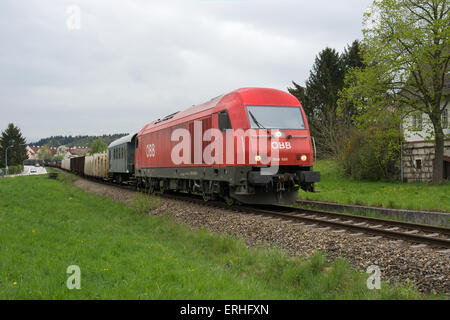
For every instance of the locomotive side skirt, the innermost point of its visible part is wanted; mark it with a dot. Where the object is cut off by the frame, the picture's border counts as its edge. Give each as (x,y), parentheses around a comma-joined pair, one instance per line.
(245,183)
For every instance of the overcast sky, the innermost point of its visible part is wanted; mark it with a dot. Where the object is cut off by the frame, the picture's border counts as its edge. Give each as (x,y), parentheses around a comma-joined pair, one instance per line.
(133,61)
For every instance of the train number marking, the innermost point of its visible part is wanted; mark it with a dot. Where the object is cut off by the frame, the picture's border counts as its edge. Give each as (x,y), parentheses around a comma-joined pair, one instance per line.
(150,150)
(281,145)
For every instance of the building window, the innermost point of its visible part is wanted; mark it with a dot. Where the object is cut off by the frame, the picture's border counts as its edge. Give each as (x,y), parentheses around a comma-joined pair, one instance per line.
(444,120)
(419,164)
(417,121)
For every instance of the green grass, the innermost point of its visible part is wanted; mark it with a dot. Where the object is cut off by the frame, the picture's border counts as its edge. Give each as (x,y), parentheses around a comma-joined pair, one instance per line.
(336,187)
(47,225)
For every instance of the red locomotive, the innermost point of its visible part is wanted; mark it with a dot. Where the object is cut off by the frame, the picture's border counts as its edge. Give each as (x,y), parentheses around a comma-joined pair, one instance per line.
(251,145)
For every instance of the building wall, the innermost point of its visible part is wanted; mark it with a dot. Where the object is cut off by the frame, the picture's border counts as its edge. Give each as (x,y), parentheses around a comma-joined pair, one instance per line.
(418,154)
(422,152)
(30,153)
(427,127)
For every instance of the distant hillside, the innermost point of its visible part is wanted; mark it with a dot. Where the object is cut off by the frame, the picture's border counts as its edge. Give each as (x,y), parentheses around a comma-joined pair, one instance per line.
(82,141)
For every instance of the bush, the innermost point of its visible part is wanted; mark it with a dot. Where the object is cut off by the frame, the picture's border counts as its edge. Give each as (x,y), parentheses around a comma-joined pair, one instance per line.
(372,154)
(13,169)
(144,203)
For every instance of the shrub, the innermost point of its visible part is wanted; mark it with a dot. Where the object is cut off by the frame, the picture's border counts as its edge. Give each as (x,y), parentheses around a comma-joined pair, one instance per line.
(143,203)
(372,153)
(13,169)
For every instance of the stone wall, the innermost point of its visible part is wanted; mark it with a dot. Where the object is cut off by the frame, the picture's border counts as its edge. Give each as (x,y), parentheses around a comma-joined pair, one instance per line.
(418,159)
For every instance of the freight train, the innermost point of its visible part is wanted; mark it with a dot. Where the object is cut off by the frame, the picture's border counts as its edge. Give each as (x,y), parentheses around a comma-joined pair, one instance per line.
(249,146)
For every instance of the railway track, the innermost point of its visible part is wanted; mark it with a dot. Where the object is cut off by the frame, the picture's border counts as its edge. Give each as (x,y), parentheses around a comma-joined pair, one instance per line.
(418,235)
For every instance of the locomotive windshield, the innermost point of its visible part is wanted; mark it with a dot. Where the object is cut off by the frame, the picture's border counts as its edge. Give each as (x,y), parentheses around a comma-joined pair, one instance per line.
(267,117)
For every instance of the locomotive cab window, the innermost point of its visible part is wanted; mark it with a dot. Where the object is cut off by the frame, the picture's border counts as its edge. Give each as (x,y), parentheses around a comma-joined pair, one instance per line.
(224,121)
(274,117)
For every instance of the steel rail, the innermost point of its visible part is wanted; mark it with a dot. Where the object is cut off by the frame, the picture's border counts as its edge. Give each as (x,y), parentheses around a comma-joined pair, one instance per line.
(402,224)
(293,214)
(322,218)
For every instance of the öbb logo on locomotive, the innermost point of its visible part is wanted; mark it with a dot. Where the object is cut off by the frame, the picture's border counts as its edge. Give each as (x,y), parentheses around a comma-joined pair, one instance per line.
(251,145)
(281,145)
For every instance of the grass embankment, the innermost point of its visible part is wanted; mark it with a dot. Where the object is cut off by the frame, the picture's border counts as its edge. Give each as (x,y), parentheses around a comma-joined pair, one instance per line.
(336,187)
(47,225)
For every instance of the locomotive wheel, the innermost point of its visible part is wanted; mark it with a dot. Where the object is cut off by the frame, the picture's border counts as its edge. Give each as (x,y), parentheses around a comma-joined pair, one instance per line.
(163,190)
(228,200)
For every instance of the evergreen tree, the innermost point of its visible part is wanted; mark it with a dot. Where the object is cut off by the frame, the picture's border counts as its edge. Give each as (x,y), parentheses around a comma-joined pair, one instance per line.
(70,141)
(319,98)
(351,60)
(18,152)
(300,93)
(329,121)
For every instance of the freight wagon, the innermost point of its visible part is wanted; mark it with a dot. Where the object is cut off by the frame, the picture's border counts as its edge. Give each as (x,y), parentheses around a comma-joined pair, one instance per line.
(77,165)
(96,165)
(65,164)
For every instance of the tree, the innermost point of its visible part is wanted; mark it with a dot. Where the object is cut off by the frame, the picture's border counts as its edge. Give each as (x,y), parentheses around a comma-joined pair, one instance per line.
(407,53)
(69,141)
(319,98)
(16,154)
(351,59)
(44,153)
(98,146)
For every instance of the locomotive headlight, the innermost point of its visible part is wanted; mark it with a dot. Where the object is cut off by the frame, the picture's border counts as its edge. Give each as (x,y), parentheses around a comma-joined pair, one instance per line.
(278,134)
(303,158)
(258,158)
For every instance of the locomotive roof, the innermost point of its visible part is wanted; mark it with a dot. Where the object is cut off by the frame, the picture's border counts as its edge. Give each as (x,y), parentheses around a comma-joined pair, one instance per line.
(244,95)
(126,139)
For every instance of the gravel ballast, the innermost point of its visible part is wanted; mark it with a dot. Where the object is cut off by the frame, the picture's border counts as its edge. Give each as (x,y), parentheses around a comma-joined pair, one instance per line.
(427,268)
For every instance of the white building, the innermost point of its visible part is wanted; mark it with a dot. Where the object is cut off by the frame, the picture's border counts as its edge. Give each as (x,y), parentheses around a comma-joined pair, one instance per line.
(418,150)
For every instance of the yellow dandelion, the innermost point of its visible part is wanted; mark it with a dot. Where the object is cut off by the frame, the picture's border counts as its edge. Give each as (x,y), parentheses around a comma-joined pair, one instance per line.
(14,283)
(70,198)
(105,269)
(32,230)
